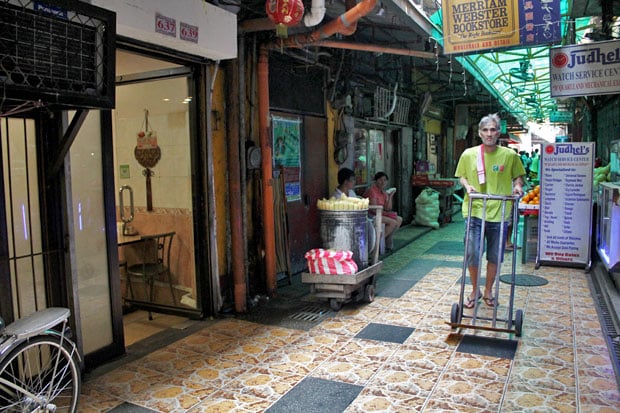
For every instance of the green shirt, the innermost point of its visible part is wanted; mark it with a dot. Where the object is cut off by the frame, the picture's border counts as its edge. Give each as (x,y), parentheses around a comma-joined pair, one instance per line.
(501,167)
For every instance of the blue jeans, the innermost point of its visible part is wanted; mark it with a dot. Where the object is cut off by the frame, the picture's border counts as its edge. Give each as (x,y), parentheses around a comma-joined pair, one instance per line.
(492,242)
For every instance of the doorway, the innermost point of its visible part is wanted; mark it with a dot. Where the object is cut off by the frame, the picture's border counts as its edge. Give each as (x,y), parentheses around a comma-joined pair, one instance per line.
(153,176)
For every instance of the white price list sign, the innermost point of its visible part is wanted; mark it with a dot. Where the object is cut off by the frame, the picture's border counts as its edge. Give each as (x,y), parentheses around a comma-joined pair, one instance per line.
(564,225)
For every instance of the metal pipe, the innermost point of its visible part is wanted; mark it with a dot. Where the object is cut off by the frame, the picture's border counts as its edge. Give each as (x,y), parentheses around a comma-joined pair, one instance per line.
(343,25)
(373,48)
(267,172)
(242,151)
(126,228)
(234,186)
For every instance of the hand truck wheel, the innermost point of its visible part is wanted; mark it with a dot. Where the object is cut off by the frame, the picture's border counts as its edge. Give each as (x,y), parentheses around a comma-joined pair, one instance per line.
(518,322)
(455,315)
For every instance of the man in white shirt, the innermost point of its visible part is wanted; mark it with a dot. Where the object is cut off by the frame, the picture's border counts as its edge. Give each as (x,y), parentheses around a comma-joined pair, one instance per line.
(346,182)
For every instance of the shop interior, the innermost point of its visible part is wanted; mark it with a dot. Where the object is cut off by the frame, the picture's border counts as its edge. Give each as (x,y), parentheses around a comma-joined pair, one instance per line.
(154,193)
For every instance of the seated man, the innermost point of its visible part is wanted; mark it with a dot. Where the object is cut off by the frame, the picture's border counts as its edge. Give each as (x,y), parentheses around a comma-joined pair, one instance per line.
(377,195)
(346,182)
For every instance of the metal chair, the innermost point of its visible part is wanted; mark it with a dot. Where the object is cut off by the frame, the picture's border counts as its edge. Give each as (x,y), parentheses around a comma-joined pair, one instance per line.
(154,264)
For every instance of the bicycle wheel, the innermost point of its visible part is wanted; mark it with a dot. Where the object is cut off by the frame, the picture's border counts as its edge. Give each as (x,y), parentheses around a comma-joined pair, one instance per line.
(42,376)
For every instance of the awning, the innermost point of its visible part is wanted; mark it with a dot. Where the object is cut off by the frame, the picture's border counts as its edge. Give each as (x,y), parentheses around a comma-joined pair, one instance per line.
(510,139)
(537,139)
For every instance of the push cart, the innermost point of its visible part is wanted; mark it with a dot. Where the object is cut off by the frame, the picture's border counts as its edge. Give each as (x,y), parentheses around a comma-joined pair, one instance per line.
(340,289)
(512,325)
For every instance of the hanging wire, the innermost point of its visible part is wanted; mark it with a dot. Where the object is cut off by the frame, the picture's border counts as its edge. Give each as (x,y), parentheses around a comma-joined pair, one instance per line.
(450,75)
(464,82)
(436,50)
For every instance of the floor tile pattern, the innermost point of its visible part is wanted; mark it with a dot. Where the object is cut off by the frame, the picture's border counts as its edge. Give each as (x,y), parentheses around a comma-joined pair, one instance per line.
(560,364)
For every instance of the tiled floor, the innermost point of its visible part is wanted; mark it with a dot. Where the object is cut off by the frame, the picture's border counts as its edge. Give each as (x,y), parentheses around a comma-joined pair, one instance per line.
(396,354)
(137,325)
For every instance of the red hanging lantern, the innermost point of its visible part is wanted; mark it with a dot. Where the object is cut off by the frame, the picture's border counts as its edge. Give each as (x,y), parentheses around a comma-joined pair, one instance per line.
(284,13)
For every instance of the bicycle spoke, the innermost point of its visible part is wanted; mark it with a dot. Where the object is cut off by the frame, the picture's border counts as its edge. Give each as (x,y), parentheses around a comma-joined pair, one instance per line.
(45,376)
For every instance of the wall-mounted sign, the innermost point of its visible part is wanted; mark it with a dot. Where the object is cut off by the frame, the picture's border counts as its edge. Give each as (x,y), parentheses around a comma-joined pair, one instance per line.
(585,69)
(561,116)
(470,25)
(188,32)
(165,25)
(53,10)
(124,172)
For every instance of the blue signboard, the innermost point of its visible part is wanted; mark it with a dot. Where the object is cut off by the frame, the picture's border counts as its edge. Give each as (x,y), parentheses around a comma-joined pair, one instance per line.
(539,22)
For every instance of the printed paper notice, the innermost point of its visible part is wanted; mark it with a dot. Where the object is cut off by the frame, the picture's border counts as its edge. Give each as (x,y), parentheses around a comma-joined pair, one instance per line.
(565,203)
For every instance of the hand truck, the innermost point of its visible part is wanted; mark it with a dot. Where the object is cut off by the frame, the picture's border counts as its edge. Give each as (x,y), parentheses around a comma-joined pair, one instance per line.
(456,315)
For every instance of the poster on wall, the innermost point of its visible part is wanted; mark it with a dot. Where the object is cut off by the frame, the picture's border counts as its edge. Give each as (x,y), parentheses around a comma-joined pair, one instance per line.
(565,218)
(286,135)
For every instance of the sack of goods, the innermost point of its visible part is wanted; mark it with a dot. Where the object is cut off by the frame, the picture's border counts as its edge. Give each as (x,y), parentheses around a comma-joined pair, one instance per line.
(427,208)
(321,261)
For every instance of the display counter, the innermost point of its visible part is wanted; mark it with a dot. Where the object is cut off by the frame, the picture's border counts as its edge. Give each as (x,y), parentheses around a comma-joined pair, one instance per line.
(608,228)
(529,245)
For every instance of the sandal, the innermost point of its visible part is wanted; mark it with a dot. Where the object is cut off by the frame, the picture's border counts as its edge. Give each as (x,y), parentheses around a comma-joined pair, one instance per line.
(490,301)
(470,302)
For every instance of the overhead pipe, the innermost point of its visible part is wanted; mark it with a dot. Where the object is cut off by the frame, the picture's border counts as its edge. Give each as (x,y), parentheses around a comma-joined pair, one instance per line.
(374,48)
(344,24)
(348,5)
(340,25)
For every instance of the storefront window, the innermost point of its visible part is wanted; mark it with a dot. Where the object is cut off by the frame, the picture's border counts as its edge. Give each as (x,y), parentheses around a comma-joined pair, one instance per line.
(369,154)
(360,162)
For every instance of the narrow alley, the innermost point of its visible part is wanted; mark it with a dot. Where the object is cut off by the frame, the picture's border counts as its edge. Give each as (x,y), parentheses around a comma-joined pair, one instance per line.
(396,354)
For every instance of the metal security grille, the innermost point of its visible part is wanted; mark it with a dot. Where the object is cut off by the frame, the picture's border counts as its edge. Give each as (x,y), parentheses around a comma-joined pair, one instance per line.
(401,113)
(387,109)
(58,52)
(24,257)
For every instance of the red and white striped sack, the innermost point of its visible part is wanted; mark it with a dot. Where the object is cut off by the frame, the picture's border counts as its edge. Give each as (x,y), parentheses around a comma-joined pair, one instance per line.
(321,261)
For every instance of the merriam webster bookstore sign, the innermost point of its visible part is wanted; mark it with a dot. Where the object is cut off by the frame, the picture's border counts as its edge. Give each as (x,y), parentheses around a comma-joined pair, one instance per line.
(473,25)
(585,69)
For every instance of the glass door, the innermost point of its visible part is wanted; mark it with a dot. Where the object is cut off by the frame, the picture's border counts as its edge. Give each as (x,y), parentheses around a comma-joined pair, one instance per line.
(153,177)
